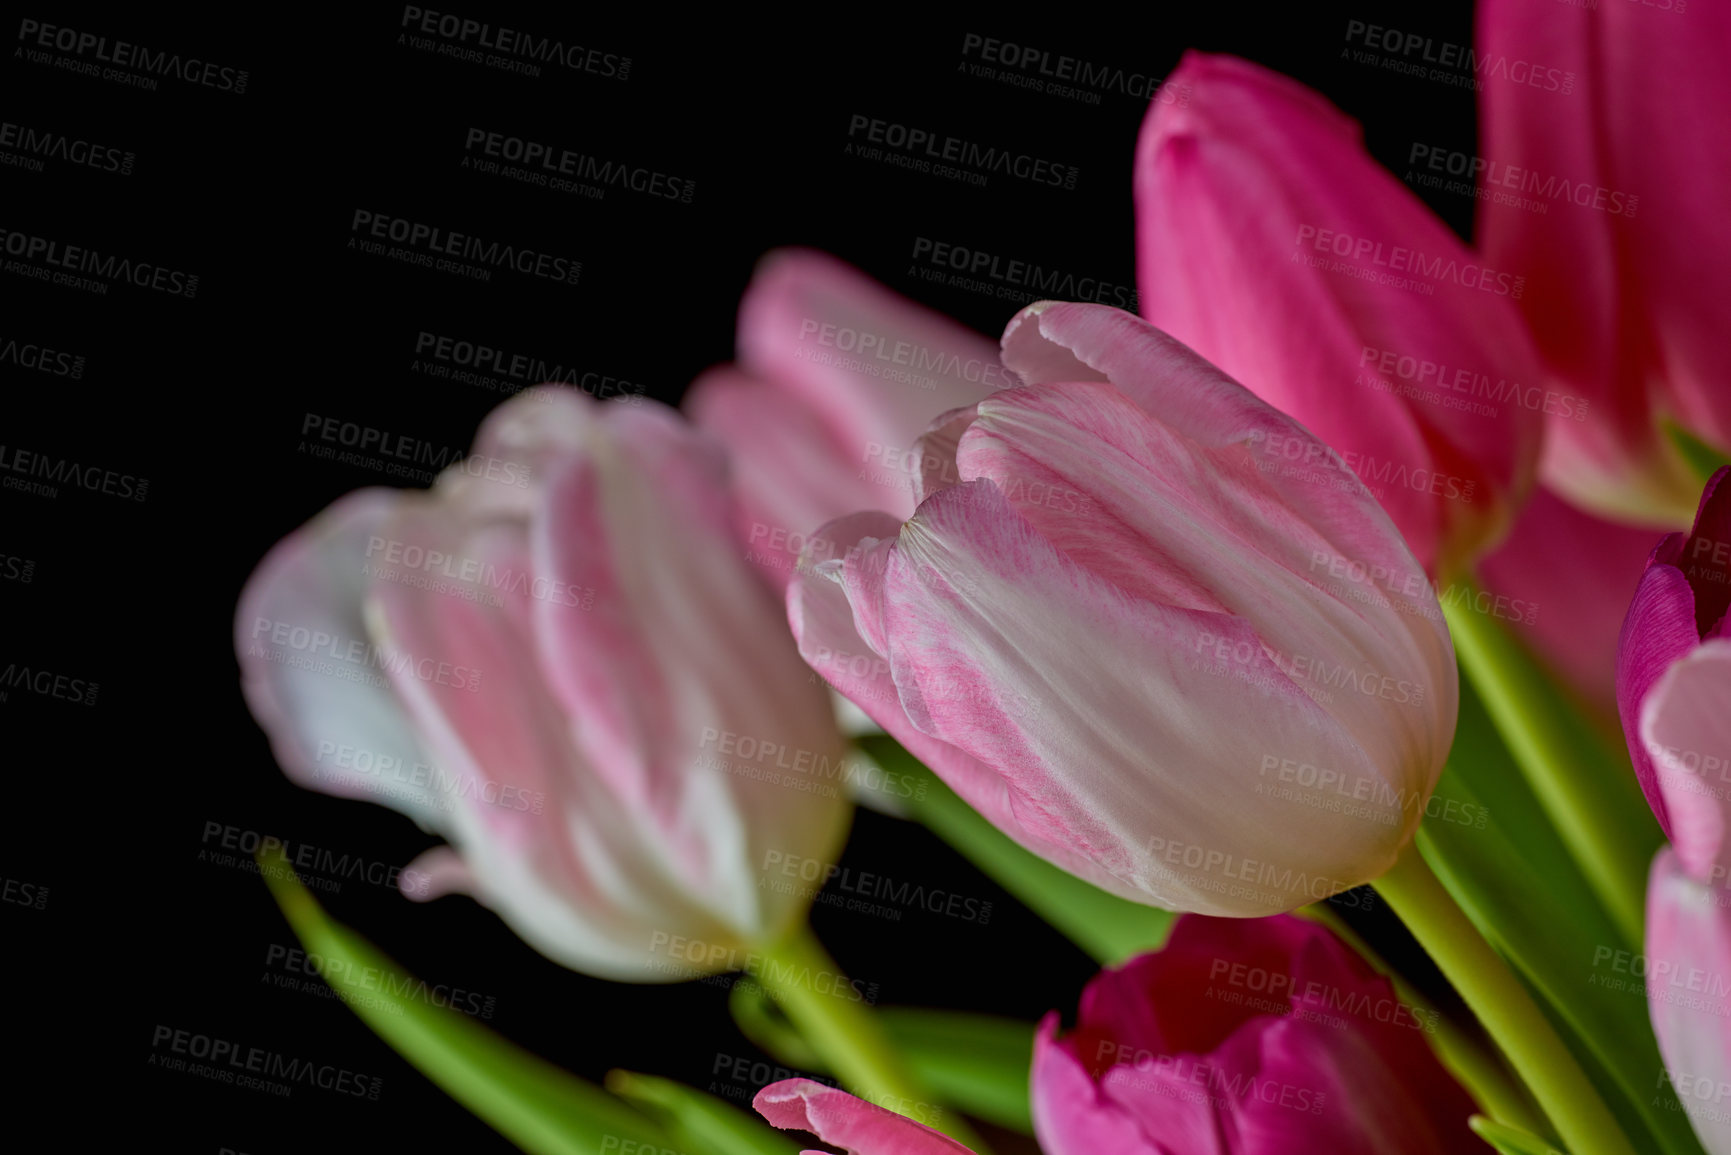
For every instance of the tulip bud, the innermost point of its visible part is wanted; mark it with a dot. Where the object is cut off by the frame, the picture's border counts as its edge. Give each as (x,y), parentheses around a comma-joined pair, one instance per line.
(1271,243)
(557,659)
(1595,187)
(1273,1025)
(837,377)
(1156,632)
(1671,663)
(841,1120)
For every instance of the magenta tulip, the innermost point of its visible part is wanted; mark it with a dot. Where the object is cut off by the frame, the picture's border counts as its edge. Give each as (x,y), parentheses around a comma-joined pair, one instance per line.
(1154,630)
(557,659)
(1628,289)
(856,1126)
(1560,581)
(837,377)
(1245,1038)
(1271,243)
(1671,651)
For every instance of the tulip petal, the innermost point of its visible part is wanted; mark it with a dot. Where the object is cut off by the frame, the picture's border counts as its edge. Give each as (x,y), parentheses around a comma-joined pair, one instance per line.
(1659,629)
(1688,958)
(1686,730)
(1074,1115)
(840,1119)
(1098,757)
(327,715)
(1271,243)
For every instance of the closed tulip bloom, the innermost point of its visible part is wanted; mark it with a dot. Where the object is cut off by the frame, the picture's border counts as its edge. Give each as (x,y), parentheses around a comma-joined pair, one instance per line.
(1154,630)
(556,659)
(837,377)
(1628,289)
(1245,1038)
(1670,656)
(854,1125)
(1270,241)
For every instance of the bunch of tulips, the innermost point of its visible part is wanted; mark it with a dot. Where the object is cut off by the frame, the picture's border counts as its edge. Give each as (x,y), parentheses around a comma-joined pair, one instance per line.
(1340,566)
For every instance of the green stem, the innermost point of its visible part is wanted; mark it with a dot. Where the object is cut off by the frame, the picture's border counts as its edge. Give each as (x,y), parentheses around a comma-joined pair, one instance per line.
(1464,1053)
(1503,1005)
(840,1026)
(1590,799)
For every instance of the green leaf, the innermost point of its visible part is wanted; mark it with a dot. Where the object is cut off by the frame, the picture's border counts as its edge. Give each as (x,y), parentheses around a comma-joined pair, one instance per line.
(1702,459)
(1493,847)
(1511,1140)
(1110,929)
(698,1120)
(978,1064)
(539,1107)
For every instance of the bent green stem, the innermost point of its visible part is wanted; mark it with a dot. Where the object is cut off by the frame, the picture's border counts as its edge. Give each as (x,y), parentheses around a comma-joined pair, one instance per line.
(832,1013)
(1502,1004)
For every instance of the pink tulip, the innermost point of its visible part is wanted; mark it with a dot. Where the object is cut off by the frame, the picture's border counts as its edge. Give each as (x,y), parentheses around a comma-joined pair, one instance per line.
(556,659)
(1670,658)
(1154,630)
(1561,582)
(837,1118)
(1245,1038)
(1628,289)
(1271,243)
(1688,963)
(837,377)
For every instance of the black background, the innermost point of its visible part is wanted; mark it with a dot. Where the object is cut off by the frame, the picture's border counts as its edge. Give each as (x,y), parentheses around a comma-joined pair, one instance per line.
(205,397)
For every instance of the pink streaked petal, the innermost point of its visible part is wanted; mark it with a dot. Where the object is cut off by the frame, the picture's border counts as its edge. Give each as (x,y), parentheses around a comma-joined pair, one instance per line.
(790,473)
(437,872)
(1686,730)
(936,450)
(876,366)
(845,1121)
(1658,630)
(1101,755)
(1688,952)
(321,718)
